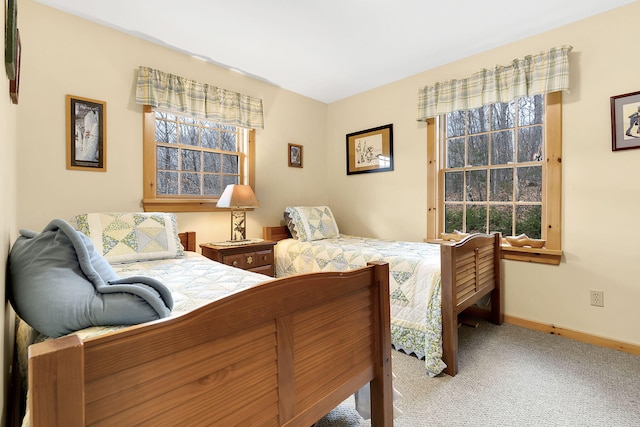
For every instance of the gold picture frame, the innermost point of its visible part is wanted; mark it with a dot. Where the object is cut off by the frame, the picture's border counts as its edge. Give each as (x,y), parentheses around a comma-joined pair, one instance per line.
(86,134)
(295,155)
(370,150)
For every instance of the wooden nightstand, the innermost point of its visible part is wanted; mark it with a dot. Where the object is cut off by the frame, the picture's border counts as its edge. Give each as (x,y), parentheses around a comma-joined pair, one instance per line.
(257,257)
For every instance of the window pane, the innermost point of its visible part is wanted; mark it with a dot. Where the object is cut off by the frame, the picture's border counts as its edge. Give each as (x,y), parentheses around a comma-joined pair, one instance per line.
(476,186)
(188,120)
(212,162)
(501,185)
(189,135)
(529,184)
(209,138)
(479,120)
(167,158)
(502,148)
(501,219)
(452,217)
(165,132)
(528,220)
(502,115)
(191,160)
(476,219)
(456,124)
(230,164)
(190,183)
(165,116)
(530,110)
(530,145)
(229,141)
(229,179)
(167,183)
(207,123)
(212,185)
(455,153)
(453,186)
(478,150)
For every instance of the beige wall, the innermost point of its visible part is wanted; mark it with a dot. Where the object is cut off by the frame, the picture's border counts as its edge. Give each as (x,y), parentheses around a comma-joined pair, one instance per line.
(68,55)
(600,187)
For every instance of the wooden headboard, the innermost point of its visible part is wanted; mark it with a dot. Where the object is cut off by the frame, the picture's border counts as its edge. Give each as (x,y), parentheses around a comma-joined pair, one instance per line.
(188,240)
(276,234)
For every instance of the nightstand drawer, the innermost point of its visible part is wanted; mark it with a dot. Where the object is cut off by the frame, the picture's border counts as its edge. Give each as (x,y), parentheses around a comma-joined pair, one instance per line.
(243,261)
(264,258)
(256,257)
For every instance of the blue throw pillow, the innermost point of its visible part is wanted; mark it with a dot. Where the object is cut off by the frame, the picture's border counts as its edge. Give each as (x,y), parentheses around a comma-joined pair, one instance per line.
(59,283)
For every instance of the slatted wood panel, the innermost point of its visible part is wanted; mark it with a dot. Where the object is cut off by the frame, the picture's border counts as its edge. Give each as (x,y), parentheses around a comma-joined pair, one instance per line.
(470,269)
(192,380)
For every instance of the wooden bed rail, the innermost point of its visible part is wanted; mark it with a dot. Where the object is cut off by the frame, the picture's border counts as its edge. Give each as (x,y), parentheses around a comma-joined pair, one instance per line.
(285,353)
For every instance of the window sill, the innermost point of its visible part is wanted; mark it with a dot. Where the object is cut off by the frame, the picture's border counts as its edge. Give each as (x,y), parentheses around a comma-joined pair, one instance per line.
(512,253)
(174,205)
(541,256)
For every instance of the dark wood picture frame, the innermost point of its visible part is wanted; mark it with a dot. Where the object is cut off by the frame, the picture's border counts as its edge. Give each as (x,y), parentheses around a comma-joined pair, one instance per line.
(625,121)
(370,150)
(294,154)
(10,42)
(86,134)
(14,84)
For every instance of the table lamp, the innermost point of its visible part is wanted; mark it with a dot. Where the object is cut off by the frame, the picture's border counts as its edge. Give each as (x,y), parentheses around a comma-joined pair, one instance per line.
(238,198)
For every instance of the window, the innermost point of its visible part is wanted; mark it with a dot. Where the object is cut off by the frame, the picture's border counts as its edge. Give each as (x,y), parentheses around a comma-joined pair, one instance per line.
(188,162)
(497,168)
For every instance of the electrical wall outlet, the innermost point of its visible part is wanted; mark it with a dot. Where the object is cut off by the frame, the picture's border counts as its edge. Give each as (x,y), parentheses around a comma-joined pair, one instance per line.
(597,298)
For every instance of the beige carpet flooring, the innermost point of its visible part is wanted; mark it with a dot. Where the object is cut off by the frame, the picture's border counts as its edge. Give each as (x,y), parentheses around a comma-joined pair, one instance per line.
(510,376)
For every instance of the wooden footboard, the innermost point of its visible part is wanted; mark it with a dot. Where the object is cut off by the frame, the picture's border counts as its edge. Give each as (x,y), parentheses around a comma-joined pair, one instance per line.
(470,271)
(285,352)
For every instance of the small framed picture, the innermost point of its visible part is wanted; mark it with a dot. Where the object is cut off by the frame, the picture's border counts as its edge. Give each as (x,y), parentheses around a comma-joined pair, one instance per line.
(86,134)
(625,121)
(295,155)
(370,150)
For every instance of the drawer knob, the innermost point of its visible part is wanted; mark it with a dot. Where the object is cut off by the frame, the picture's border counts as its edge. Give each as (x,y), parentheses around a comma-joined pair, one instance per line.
(264,257)
(249,260)
(235,263)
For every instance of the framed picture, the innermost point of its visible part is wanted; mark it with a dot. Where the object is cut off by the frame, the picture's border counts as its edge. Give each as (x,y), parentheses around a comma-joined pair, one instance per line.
(14,84)
(10,35)
(625,121)
(370,150)
(295,155)
(86,134)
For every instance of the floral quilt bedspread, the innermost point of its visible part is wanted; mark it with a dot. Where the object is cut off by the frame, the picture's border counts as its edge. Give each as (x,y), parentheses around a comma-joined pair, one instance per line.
(414,270)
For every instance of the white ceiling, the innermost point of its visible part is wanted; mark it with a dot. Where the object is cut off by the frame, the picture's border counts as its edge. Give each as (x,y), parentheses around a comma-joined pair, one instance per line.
(331,49)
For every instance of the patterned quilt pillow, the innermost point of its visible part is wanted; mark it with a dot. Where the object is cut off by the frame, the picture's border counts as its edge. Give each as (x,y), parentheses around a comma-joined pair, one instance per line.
(309,223)
(134,236)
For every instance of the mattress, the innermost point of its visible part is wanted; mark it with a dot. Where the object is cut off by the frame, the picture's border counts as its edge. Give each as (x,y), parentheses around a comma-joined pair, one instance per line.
(416,316)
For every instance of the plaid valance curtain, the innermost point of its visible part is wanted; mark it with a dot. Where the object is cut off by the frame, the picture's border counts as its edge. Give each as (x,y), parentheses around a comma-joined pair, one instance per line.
(534,74)
(163,90)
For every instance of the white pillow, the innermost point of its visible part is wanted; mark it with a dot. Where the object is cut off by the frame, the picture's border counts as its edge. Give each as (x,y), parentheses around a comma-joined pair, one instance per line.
(133,236)
(309,223)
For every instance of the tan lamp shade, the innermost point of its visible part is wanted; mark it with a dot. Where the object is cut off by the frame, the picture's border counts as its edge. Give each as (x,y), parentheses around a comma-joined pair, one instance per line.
(238,196)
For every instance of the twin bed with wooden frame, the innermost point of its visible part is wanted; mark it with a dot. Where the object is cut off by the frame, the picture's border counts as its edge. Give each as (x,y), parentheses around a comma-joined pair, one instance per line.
(278,353)
(470,270)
